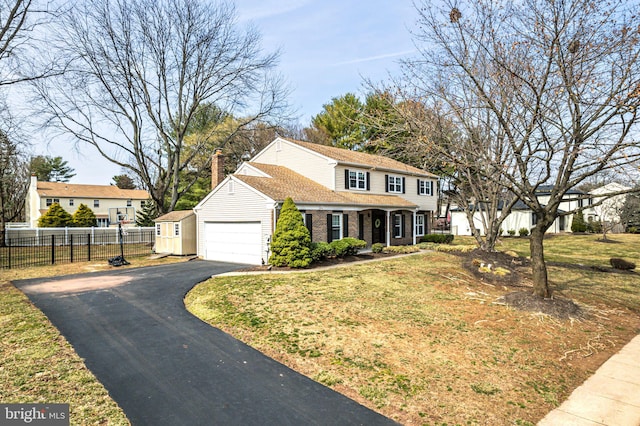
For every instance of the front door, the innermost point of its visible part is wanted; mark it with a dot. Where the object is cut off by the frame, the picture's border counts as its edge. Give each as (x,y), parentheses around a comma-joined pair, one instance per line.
(378,234)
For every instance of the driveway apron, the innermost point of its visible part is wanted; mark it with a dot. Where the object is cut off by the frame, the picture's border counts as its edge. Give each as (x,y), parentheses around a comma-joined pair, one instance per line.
(164,366)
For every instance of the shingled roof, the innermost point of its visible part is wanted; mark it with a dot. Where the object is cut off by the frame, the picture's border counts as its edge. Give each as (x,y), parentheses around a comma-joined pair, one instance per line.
(284,183)
(174,216)
(70,190)
(362,159)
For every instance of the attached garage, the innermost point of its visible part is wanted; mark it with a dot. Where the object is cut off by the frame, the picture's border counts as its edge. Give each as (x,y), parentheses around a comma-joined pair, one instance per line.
(237,242)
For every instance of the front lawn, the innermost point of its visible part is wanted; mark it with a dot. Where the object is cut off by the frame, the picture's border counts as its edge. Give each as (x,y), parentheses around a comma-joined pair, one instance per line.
(423,342)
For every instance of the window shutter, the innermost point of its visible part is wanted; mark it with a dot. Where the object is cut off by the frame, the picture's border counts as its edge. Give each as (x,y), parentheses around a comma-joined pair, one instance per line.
(346,179)
(386,183)
(368,179)
(308,220)
(329,224)
(345,225)
(413,226)
(403,184)
(402,222)
(431,187)
(418,186)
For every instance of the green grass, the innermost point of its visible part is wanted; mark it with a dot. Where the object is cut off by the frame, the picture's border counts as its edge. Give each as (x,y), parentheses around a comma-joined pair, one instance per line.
(420,340)
(38,364)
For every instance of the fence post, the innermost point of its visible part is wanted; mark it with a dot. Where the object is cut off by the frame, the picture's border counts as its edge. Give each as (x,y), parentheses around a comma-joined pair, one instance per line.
(71,247)
(53,249)
(9,245)
(89,247)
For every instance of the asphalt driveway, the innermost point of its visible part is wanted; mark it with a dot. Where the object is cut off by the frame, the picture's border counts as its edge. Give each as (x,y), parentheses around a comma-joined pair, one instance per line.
(166,367)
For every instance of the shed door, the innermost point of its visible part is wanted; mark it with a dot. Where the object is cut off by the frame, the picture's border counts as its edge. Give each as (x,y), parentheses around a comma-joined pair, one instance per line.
(237,242)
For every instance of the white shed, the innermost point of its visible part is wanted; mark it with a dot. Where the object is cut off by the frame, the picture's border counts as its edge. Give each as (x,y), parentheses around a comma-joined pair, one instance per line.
(176,233)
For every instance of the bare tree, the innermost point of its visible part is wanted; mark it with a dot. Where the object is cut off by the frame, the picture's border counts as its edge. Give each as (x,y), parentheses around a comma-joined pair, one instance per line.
(558,80)
(140,69)
(14,182)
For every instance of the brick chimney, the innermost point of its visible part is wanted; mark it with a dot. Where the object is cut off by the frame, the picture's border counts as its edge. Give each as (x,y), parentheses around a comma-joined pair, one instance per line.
(217,168)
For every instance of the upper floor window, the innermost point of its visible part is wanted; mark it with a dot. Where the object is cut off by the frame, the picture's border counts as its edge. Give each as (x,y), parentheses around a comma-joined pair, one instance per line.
(580,202)
(425,187)
(49,202)
(128,203)
(356,179)
(142,203)
(96,203)
(71,201)
(395,184)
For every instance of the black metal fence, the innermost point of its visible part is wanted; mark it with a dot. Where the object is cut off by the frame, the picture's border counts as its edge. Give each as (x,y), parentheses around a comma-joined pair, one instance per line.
(52,249)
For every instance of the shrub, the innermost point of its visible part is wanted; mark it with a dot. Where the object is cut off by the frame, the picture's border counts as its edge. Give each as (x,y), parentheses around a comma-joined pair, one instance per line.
(437,238)
(621,264)
(377,248)
(55,217)
(291,245)
(84,217)
(347,246)
(632,230)
(594,226)
(523,232)
(401,249)
(320,251)
(578,224)
(511,232)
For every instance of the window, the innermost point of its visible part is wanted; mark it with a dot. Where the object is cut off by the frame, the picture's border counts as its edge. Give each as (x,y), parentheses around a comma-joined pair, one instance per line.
(357,180)
(96,203)
(398,226)
(534,219)
(580,202)
(176,229)
(157,229)
(103,223)
(336,227)
(395,184)
(71,201)
(128,203)
(49,202)
(56,200)
(142,203)
(425,187)
(419,225)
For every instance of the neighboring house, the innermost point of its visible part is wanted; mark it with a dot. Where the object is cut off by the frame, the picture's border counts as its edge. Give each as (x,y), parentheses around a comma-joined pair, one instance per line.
(109,203)
(522,216)
(176,233)
(609,210)
(340,193)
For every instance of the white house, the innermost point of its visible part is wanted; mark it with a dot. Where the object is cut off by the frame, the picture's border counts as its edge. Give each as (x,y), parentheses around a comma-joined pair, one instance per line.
(109,203)
(339,192)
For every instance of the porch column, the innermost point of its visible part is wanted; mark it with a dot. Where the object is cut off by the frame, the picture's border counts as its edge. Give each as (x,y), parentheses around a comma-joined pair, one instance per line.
(413,230)
(388,230)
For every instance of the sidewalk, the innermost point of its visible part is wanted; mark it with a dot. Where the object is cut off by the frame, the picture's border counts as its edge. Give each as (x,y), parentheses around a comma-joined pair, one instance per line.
(610,397)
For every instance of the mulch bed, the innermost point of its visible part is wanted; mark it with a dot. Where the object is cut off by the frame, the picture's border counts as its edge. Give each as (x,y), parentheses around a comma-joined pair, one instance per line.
(321,264)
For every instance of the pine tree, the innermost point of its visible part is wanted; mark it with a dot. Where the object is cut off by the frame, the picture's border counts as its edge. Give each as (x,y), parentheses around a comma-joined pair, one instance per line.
(578,224)
(55,217)
(291,245)
(147,214)
(84,217)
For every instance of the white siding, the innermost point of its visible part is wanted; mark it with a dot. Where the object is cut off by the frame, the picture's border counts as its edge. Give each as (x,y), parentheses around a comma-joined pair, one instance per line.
(241,205)
(301,160)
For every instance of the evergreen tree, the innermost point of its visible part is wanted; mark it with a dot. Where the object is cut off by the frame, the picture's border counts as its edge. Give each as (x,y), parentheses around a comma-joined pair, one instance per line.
(84,217)
(124,181)
(291,245)
(55,217)
(578,224)
(147,214)
(51,169)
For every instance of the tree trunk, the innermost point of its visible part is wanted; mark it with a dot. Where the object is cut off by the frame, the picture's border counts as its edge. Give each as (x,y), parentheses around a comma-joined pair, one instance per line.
(538,265)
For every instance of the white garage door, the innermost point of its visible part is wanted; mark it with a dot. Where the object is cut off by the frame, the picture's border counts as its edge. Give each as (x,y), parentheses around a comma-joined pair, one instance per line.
(238,242)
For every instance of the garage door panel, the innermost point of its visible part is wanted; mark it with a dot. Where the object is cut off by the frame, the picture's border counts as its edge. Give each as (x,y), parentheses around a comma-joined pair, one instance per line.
(239,242)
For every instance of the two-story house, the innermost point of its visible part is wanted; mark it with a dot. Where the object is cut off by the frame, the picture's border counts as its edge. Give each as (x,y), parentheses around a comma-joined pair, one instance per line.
(109,203)
(340,193)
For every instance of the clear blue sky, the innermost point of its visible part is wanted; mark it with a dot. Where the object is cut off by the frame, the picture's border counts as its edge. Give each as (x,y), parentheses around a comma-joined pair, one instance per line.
(327,48)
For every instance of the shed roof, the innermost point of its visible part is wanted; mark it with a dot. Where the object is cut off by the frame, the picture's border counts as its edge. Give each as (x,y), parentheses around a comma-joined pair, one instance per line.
(174,216)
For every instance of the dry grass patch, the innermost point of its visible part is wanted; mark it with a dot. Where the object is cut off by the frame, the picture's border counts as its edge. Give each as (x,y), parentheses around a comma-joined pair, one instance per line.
(416,338)
(38,364)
